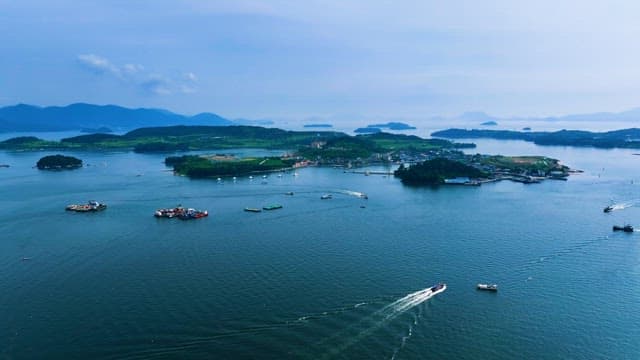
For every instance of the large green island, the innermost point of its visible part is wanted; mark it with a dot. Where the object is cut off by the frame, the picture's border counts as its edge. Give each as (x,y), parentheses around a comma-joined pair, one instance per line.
(305,148)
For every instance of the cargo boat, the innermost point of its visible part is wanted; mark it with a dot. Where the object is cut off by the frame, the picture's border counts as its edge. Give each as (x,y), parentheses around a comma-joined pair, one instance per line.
(91,206)
(272,207)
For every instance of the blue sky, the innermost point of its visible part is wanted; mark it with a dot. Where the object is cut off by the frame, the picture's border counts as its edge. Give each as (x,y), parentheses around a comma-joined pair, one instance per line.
(325,59)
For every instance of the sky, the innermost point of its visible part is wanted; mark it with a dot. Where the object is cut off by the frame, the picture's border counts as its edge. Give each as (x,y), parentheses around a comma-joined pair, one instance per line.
(330,59)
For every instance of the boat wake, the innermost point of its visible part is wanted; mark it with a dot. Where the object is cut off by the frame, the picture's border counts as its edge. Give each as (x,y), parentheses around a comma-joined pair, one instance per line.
(365,327)
(353,193)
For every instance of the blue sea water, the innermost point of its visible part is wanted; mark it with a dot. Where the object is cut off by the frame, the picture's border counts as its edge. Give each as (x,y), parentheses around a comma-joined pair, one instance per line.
(318,278)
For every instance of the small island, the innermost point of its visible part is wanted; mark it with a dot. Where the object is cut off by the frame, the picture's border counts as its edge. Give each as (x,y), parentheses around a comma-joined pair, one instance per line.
(318,126)
(393,126)
(59,162)
(367,130)
(489,123)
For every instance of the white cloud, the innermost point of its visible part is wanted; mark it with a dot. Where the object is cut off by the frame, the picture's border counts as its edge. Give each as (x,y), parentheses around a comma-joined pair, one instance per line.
(137,75)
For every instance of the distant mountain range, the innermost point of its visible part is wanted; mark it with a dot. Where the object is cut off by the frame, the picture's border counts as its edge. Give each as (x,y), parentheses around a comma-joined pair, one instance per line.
(480,117)
(29,118)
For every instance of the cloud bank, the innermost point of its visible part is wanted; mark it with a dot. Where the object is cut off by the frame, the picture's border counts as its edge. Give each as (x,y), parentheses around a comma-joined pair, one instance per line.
(138,76)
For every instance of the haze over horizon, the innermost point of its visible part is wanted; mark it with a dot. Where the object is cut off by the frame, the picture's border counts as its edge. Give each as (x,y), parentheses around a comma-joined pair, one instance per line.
(279,59)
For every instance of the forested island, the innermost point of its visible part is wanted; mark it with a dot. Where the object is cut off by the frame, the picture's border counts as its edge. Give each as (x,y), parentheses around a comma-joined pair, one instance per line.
(626,138)
(436,172)
(220,165)
(58,162)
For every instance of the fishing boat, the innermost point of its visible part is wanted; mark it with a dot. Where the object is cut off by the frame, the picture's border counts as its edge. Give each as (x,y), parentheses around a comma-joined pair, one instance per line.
(191,213)
(487,287)
(169,212)
(626,228)
(91,206)
(272,207)
(250,209)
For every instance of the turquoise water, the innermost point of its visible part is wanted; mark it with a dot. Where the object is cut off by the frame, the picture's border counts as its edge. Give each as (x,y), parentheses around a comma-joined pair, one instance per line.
(318,278)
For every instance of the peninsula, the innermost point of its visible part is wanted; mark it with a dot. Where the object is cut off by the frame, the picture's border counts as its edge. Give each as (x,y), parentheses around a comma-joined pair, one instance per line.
(625,138)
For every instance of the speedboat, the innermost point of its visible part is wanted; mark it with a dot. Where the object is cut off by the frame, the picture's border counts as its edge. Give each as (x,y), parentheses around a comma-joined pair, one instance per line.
(488,287)
(608,209)
(437,289)
(326,196)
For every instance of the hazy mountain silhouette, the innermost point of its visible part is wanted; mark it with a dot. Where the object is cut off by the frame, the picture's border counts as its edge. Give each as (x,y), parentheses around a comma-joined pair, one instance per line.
(28,118)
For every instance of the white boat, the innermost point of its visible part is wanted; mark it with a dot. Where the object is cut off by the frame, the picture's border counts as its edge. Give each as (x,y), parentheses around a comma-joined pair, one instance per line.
(326,196)
(488,287)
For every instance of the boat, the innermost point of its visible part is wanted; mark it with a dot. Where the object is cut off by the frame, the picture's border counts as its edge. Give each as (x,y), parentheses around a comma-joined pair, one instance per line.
(249,209)
(608,209)
(625,228)
(272,207)
(289,193)
(169,212)
(487,287)
(326,196)
(91,206)
(193,214)
(436,289)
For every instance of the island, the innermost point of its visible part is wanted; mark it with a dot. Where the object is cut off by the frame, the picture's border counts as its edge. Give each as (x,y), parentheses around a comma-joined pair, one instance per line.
(625,138)
(462,169)
(223,165)
(393,126)
(436,172)
(59,162)
(367,130)
(489,123)
(318,126)
(102,130)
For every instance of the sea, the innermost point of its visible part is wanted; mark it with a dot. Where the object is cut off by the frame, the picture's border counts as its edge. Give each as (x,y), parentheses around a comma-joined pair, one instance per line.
(341,278)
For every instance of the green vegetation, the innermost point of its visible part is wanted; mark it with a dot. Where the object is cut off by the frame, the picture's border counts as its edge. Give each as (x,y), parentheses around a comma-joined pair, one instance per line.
(520,164)
(626,138)
(58,162)
(393,142)
(434,172)
(28,143)
(202,167)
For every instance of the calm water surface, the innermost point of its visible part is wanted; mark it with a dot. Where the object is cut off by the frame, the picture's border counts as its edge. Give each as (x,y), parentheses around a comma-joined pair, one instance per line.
(318,278)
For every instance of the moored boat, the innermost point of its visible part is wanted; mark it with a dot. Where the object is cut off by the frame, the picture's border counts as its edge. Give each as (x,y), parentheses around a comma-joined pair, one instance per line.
(91,206)
(487,287)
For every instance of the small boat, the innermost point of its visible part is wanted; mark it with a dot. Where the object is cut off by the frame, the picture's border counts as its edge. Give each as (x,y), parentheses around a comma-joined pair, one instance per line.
(436,289)
(626,228)
(272,207)
(487,287)
(290,193)
(608,209)
(249,209)
(91,206)
(326,196)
